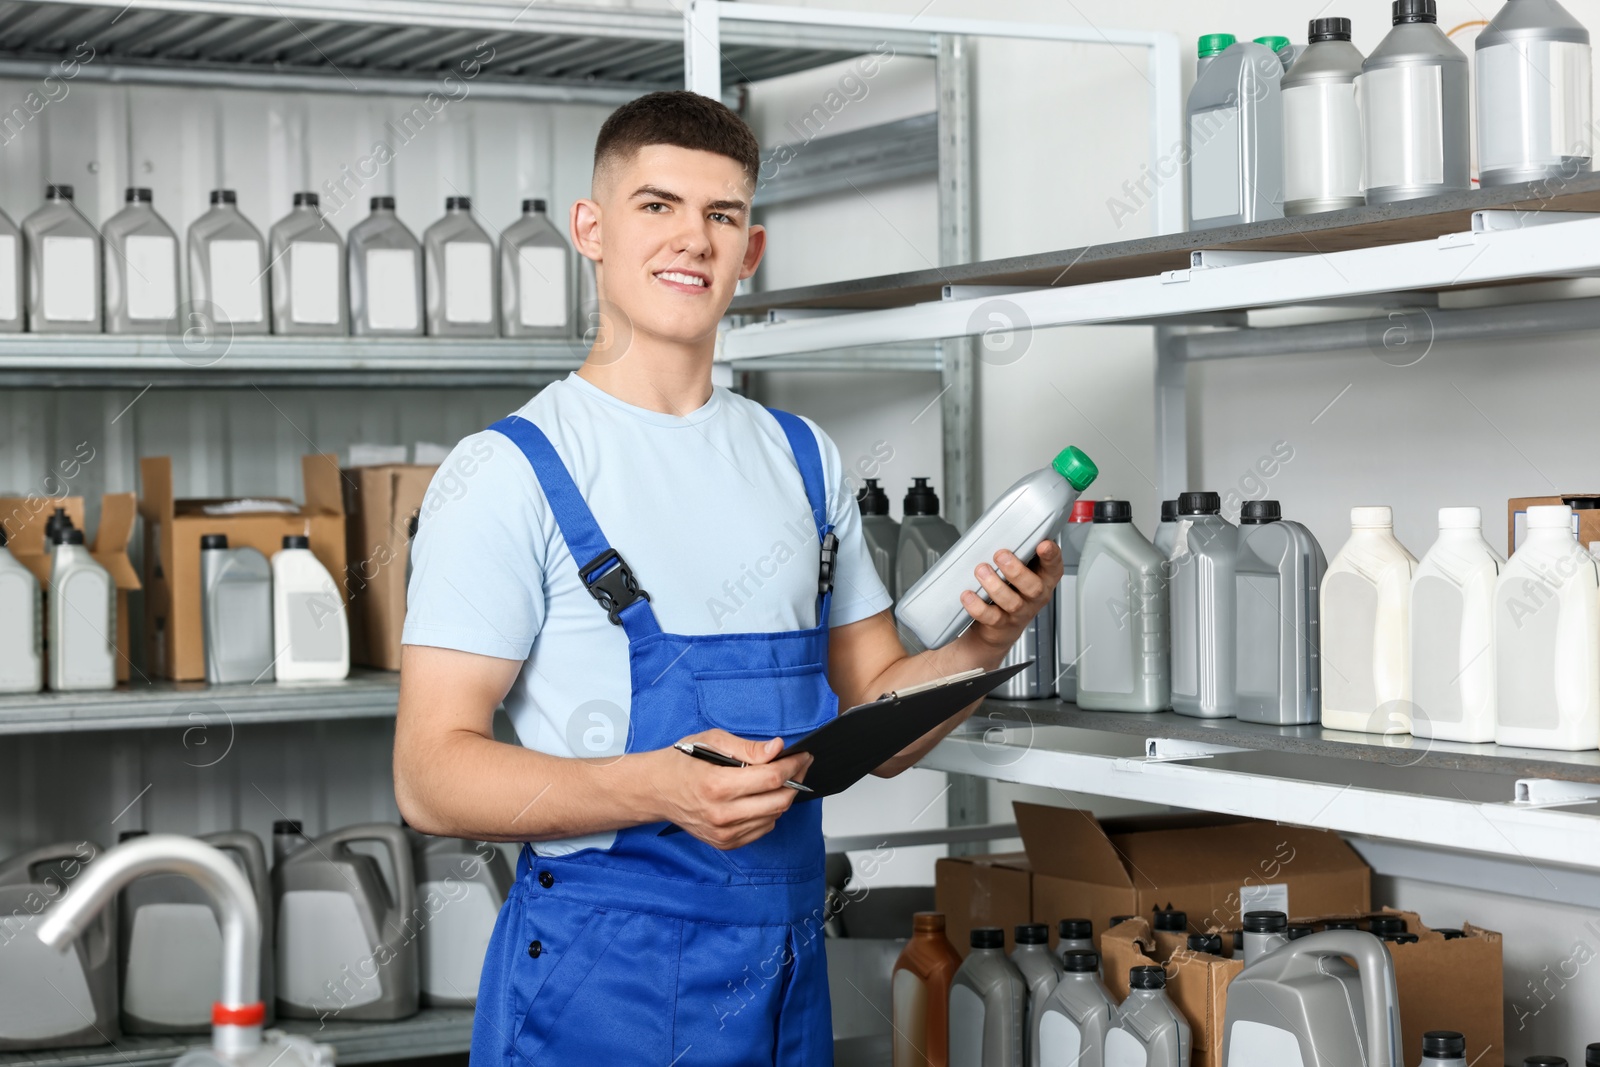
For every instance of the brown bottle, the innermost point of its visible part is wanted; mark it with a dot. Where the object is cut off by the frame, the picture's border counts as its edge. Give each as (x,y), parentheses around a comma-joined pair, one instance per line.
(921,994)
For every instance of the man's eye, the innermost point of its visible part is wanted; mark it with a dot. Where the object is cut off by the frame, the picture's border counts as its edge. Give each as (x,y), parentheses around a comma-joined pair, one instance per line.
(718,216)
(653,207)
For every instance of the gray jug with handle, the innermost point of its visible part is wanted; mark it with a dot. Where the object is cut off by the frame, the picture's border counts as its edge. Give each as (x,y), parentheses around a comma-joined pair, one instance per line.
(346,945)
(460,888)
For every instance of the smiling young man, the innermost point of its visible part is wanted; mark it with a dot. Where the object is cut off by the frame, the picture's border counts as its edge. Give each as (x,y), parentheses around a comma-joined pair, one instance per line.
(571,562)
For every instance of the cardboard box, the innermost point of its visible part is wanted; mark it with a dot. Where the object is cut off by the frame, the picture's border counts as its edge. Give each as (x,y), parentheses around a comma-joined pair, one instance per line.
(974,891)
(1451,985)
(378,504)
(1585,517)
(1197,983)
(24,519)
(173,528)
(1212,867)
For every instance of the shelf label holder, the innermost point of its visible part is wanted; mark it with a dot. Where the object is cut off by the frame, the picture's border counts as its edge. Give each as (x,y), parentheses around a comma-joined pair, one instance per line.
(1176,749)
(1554,793)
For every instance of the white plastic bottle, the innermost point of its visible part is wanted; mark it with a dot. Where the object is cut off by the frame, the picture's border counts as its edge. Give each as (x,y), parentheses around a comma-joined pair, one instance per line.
(228,267)
(1028,512)
(1547,639)
(1452,639)
(310,631)
(1366,654)
(21,639)
(83,619)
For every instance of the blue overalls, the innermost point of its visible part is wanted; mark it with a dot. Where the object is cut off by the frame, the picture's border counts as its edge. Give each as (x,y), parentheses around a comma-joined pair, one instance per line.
(664,950)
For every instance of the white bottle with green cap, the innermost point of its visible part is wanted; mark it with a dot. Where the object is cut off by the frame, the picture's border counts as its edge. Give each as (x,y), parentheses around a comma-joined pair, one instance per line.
(1030,511)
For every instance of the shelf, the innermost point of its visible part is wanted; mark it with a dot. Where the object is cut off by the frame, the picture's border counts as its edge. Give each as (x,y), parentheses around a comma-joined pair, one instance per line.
(431,1032)
(365,694)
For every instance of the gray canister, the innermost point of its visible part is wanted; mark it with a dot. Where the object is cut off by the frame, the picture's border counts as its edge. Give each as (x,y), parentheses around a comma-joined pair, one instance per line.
(1533,83)
(1040,971)
(924,536)
(1235,131)
(13,302)
(385,275)
(1073,537)
(1414,109)
(171,942)
(460,887)
(1149,1031)
(1279,574)
(346,947)
(307,274)
(988,1005)
(235,612)
(141,290)
(535,277)
(54,999)
(1075,935)
(228,269)
(1264,932)
(1322,123)
(1037,648)
(64,264)
(1167,529)
(459,264)
(1071,1029)
(1123,616)
(881,532)
(1202,588)
(1448,1048)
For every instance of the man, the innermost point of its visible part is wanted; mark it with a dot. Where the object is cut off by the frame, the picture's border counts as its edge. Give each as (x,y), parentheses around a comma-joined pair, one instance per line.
(632,560)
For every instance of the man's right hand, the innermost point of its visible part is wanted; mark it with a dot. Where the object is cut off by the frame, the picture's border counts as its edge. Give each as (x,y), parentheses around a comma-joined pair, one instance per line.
(726,807)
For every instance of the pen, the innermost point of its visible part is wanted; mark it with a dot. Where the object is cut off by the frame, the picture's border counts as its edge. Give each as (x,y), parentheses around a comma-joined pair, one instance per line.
(711,755)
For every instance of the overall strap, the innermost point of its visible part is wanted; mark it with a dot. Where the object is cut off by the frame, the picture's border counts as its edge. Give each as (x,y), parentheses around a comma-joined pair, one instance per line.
(808,457)
(604,573)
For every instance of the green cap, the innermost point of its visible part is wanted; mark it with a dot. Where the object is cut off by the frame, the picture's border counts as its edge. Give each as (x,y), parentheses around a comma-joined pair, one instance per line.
(1277,44)
(1078,469)
(1213,44)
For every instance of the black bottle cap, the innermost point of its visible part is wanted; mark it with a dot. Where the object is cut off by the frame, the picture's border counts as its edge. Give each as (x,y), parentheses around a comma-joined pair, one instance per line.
(1581,503)
(58,192)
(1400,939)
(1147,978)
(71,536)
(1169,511)
(3,537)
(534,204)
(136,195)
(1265,922)
(1171,922)
(1451,935)
(1075,929)
(920,498)
(411,525)
(213,541)
(296,541)
(1199,504)
(1259,512)
(53,526)
(1415,11)
(988,937)
(1543,1061)
(129,835)
(1081,962)
(306,200)
(1298,931)
(287,826)
(1033,934)
(1591,1055)
(1387,924)
(1341,924)
(1113,511)
(1237,937)
(224,196)
(381,203)
(1211,943)
(871,499)
(1328,29)
(458,203)
(1443,1043)
(1115,919)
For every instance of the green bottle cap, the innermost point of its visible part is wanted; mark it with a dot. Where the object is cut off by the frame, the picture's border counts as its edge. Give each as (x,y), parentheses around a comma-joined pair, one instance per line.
(1213,44)
(1078,469)
(1277,44)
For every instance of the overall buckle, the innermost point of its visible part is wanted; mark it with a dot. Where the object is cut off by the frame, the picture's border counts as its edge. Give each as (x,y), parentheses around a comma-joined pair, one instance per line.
(830,556)
(616,588)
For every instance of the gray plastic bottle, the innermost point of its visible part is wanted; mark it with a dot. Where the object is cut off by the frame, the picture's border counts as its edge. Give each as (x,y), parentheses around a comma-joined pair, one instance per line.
(13,277)
(881,532)
(1040,970)
(1444,1048)
(83,618)
(346,946)
(308,283)
(1037,648)
(385,275)
(1303,1000)
(1414,109)
(1167,529)
(458,271)
(924,536)
(1070,1030)
(1074,935)
(1149,1031)
(1322,123)
(536,277)
(1279,574)
(460,888)
(235,612)
(64,267)
(21,625)
(1235,131)
(1264,931)
(170,942)
(1073,536)
(988,1006)
(141,251)
(1532,77)
(1123,617)
(1204,616)
(228,268)
(54,999)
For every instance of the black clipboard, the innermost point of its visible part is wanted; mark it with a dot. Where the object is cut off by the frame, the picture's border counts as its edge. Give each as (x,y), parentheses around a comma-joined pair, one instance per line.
(852,745)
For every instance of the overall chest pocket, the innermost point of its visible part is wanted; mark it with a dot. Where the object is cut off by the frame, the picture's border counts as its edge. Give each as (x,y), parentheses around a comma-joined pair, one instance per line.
(763,702)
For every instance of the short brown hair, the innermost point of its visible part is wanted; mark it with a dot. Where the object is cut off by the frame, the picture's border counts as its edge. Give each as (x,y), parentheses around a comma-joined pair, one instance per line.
(683,119)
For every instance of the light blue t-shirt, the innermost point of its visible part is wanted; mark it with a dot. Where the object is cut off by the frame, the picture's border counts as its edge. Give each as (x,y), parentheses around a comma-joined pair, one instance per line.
(708,509)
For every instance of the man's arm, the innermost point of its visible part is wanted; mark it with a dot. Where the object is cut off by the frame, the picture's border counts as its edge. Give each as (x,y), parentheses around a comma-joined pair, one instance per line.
(866,659)
(451,776)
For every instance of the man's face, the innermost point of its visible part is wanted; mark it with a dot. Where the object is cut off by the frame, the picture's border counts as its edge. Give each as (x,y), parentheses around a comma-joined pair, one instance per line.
(670,232)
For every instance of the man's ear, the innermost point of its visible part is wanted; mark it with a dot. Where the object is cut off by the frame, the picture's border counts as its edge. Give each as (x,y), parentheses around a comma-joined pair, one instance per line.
(753,250)
(585,228)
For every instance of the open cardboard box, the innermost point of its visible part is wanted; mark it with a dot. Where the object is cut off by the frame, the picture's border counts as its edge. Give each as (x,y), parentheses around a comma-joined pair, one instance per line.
(1197,983)
(24,519)
(378,503)
(173,528)
(982,890)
